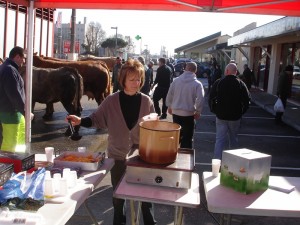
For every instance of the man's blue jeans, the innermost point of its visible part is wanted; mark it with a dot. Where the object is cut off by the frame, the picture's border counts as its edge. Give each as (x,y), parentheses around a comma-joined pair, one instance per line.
(226,128)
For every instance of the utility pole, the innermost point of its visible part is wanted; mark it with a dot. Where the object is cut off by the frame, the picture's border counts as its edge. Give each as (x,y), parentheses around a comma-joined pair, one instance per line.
(73,23)
(116,39)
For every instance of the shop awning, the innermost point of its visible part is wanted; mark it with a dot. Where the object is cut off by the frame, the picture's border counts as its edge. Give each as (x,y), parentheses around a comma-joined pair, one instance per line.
(264,7)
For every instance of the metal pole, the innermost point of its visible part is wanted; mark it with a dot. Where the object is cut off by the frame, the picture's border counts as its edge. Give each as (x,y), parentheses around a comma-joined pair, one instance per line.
(73,24)
(116,45)
(28,81)
(116,39)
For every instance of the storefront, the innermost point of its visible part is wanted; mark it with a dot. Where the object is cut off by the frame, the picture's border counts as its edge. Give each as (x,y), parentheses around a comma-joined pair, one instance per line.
(271,47)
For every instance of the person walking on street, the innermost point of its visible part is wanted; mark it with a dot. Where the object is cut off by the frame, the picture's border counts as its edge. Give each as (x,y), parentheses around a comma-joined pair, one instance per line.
(163,80)
(169,64)
(217,74)
(146,87)
(207,71)
(185,102)
(247,75)
(120,113)
(115,75)
(12,102)
(232,102)
(284,89)
(150,67)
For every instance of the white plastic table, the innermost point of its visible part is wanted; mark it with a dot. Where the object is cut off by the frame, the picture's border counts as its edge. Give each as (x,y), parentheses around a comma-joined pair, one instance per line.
(224,200)
(162,195)
(59,210)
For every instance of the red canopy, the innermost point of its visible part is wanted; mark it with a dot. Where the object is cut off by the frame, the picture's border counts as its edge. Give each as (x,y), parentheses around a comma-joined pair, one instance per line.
(265,7)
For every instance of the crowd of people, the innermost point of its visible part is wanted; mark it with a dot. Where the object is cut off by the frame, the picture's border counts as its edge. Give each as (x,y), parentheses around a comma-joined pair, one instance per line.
(121,112)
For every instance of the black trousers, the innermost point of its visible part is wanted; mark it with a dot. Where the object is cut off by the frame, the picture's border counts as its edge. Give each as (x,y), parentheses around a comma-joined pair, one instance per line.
(160,93)
(187,124)
(278,116)
(117,173)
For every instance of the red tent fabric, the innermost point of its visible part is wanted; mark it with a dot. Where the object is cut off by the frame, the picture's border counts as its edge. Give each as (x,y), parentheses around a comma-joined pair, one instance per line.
(264,7)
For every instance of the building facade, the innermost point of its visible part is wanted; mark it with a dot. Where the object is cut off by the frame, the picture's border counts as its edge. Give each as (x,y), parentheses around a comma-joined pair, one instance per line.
(62,38)
(266,49)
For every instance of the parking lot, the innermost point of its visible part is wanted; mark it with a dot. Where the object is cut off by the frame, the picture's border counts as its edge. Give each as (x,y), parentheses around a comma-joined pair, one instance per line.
(258,132)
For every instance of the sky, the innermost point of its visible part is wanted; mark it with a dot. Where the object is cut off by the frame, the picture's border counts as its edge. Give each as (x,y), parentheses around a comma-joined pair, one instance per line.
(164,28)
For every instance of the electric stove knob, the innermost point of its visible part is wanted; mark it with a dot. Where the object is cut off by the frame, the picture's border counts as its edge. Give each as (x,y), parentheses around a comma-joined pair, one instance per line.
(158,179)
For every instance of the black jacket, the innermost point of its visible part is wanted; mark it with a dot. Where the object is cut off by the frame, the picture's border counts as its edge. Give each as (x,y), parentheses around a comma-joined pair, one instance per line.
(163,77)
(232,98)
(12,94)
(284,87)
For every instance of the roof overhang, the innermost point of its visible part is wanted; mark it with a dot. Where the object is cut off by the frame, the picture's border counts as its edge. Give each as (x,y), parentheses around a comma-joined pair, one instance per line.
(283,26)
(198,42)
(264,7)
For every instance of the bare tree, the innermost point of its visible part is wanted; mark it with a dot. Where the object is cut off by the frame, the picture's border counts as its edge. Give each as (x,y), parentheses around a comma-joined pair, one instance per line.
(94,37)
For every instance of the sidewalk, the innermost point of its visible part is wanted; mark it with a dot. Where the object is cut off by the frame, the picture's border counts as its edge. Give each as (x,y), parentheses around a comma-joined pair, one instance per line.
(266,101)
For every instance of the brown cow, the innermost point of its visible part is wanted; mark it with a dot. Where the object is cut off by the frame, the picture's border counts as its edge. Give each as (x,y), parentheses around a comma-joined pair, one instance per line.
(50,85)
(110,61)
(1,61)
(96,77)
(65,60)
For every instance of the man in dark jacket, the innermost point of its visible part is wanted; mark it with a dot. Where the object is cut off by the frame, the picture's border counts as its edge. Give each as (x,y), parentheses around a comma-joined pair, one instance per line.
(163,80)
(248,76)
(12,102)
(232,102)
(284,88)
(146,87)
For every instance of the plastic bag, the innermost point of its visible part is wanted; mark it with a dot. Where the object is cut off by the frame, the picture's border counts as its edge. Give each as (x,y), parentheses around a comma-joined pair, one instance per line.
(23,191)
(13,188)
(278,107)
(35,190)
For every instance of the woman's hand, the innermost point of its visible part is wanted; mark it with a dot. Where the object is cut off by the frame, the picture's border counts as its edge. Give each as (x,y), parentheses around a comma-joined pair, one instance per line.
(196,116)
(75,120)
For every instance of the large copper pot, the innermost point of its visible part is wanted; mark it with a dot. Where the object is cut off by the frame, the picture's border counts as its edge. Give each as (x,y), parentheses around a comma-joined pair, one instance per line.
(159,141)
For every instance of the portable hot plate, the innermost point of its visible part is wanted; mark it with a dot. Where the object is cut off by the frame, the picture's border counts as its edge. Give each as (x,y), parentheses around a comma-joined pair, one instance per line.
(177,174)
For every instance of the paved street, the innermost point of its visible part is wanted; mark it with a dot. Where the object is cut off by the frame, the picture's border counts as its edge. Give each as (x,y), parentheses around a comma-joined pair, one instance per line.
(258,132)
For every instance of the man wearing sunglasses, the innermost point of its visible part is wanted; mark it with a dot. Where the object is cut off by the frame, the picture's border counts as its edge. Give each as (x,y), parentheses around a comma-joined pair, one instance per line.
(12,102)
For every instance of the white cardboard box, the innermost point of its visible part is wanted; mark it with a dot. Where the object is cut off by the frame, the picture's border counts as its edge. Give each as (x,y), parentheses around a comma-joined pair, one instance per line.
(245,171)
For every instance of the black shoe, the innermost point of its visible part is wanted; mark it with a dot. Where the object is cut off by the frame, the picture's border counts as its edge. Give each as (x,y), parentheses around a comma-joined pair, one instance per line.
(163,117)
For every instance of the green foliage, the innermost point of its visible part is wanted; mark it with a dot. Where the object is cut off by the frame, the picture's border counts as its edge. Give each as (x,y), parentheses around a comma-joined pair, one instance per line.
(111,43)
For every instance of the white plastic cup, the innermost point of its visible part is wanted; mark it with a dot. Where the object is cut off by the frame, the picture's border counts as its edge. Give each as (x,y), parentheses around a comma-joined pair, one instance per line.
(81,149)
(56,181)
(216,164)
(49,153)
(66,172)
(49,187)
(63,187)
(72,179)
(48,174)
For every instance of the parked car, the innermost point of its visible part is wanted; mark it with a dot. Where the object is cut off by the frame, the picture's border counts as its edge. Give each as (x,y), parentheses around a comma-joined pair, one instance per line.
(180,65)
(179,68)
(201,67)
(181,61)
(155,61)
(296,73)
